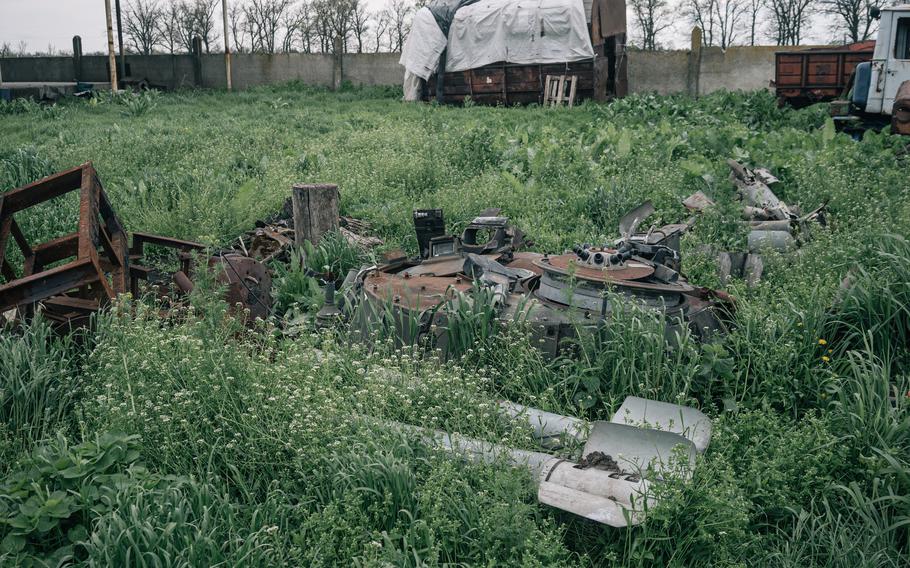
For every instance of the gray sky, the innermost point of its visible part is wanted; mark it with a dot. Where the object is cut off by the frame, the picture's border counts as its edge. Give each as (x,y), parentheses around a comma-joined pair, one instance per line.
(53,22)
(43,23)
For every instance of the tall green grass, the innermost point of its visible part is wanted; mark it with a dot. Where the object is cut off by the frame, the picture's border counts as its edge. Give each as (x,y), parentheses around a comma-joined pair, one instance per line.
(252,449)
(39,385)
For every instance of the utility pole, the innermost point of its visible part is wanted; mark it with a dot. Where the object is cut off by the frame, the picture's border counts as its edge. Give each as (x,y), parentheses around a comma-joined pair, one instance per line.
(112,60)
(122,73)
(227,45)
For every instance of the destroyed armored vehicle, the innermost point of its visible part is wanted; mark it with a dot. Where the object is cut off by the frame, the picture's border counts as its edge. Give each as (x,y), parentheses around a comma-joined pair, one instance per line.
(555,294)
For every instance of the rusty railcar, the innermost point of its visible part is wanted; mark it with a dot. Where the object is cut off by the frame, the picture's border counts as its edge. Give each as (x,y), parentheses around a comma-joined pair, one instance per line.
(802,78)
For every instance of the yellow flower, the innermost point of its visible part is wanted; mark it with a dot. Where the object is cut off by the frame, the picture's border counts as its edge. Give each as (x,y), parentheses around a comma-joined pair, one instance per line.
(825,358)
(822,342)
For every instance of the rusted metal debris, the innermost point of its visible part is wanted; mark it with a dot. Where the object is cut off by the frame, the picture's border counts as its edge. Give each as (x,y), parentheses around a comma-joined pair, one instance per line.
(772,223)
(556,294)
(73,276)
(273,239)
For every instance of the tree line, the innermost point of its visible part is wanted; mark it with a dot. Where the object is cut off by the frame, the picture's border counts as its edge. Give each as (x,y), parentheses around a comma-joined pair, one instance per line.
(266,26)
(313,26)
(725,23)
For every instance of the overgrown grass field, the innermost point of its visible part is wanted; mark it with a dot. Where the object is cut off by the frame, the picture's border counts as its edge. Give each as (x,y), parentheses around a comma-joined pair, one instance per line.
(196,442)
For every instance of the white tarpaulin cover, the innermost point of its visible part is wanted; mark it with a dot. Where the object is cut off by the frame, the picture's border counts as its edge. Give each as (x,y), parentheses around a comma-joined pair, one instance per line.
(514,31)
(425,42)
(523,31)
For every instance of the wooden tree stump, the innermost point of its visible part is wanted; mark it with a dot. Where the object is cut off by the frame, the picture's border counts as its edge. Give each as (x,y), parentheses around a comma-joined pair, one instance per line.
(315,211)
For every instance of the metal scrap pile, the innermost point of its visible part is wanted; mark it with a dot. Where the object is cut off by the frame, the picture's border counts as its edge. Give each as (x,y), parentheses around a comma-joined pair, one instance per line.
(646,442)
(74,275)
(558,295)
(274,238)
(772,223)
(69,278)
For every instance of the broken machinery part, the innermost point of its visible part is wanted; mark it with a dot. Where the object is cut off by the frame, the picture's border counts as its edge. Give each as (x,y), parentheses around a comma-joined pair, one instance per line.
(74,275)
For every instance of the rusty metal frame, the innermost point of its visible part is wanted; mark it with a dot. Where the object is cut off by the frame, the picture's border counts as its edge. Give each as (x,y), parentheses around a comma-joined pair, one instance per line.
(74,275)
(73,272)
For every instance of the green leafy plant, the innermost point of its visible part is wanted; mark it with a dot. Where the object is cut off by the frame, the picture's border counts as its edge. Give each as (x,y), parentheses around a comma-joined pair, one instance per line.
(37,385)
(47,507)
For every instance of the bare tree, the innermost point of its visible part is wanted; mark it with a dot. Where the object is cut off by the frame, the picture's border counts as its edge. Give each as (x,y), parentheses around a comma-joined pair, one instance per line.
(195,18)
(754,9)
(186,25)
(206,17)
(701,13)
(169,25)
(398,14)
(360,23)
(334,19)
(265,18)
(788,19)
(321,26)
(852,17)
(239,27)
(141,25)
(308,28)
(292,23)
(380,29)
(651,17)
(720,20)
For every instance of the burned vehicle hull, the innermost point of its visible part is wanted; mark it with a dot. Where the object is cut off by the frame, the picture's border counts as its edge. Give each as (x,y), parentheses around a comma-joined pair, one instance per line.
(556,296)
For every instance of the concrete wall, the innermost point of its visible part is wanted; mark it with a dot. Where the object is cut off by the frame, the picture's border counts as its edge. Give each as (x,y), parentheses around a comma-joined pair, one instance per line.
(664,72)
(737,68)
(29,69)
(373,68)
(258,69)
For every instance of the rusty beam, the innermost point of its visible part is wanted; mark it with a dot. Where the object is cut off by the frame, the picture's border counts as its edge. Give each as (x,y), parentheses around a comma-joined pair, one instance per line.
(119,242)
(113,259)
(102,279)
(141,239)
(88,214)
(68,302)
(57,249)
(6,226)
(7,271)
(28,267)
(20,238)
(42,190)
(138,273)
(107,210)
(49,283)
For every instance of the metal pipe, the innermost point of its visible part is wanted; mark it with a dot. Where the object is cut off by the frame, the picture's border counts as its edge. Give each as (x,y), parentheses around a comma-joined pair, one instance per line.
(770,225)
(551,430)
(776,240)
(609,497)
